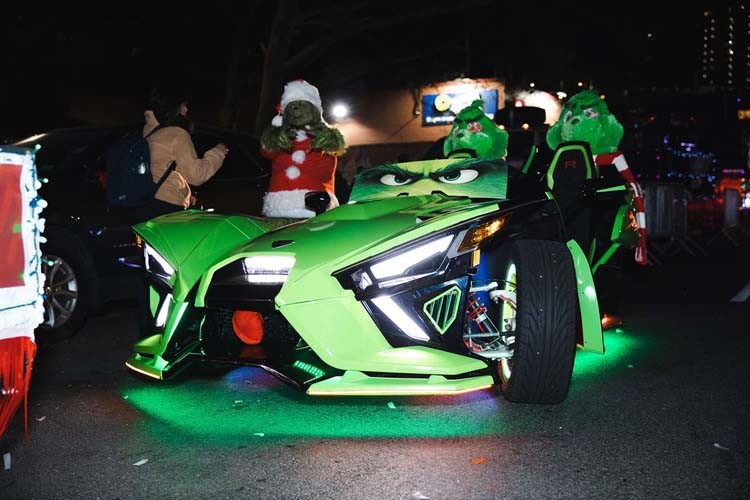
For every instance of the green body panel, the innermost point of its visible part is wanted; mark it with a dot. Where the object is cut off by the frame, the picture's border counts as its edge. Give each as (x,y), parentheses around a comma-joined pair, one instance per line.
(593,338)
(355,242)
(344,336)
(193,240)
(355,383)
(605,257)
(312,301)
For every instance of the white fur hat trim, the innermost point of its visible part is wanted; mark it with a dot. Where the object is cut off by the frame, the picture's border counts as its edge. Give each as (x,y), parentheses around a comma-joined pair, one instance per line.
(300,90)
(277,121)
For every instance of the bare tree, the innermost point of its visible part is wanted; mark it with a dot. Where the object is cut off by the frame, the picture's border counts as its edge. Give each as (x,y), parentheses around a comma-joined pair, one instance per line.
(343,22)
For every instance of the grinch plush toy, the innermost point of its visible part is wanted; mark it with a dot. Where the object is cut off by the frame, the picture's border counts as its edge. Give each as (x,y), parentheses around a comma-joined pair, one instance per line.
(586,117)
(473,130)
(304,152)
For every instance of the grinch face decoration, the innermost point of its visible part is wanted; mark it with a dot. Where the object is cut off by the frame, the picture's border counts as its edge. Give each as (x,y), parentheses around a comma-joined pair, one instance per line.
(473,130)
(586,117)
(473,177)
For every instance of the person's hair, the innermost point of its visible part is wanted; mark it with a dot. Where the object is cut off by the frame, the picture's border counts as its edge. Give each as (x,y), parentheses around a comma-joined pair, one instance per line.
(165,103)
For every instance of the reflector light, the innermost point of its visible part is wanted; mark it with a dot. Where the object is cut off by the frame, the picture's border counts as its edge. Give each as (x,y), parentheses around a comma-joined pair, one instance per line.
(475,236)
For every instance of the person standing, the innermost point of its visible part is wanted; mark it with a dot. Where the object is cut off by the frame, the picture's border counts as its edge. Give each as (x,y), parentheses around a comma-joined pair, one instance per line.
(169,137)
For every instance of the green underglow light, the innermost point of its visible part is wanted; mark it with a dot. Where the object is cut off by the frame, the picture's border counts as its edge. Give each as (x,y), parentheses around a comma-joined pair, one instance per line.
(248,401)
(623,347)
(308,368)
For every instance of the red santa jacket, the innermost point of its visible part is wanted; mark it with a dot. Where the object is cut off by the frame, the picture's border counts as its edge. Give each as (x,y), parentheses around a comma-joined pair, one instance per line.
(301,168)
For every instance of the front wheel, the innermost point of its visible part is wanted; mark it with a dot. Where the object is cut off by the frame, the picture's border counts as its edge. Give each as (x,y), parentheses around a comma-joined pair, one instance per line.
(538,323)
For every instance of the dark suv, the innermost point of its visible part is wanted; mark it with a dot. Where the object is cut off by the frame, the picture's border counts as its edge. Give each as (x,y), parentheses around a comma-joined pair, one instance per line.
(88,242)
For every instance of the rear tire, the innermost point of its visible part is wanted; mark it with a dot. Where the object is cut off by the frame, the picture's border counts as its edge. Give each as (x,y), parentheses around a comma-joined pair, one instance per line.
(541,366)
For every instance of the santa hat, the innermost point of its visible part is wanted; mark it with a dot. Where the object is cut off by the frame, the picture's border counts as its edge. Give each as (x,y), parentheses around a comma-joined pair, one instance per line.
(297,90)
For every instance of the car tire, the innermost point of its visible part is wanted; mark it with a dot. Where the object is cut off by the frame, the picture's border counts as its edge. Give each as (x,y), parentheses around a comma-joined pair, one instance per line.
(70,286)
(544,319)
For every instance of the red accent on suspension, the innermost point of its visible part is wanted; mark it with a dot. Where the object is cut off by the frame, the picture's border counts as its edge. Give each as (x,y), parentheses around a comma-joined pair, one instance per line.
(477,312)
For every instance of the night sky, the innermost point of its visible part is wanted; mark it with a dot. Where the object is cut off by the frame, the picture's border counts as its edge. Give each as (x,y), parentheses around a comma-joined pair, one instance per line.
(53,52)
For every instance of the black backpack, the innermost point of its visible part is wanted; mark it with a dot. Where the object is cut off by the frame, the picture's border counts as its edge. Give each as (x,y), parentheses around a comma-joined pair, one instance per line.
(129,180)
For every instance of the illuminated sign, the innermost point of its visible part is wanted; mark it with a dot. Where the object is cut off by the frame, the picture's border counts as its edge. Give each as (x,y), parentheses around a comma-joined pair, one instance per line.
(441,109)
(743,114)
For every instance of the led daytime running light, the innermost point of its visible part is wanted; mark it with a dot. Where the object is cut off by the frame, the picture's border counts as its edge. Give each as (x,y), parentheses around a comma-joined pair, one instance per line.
(398,264)
(398,316)
(267,268)
(150,252)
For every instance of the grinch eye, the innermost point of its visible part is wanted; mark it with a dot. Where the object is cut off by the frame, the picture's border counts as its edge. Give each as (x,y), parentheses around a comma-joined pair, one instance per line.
(590,113)
(459,176)
(474,127)
(395,180)
(567,116)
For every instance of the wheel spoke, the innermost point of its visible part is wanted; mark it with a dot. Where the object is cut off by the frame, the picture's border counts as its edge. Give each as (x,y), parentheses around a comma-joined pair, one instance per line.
(67,279)
(53,272)
(50,314)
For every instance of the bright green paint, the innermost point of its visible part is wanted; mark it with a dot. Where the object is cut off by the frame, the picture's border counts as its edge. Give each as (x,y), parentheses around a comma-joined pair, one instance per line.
(354,342)
(193,240)
(605,257)
(593,339)
(612,189)
(357,383)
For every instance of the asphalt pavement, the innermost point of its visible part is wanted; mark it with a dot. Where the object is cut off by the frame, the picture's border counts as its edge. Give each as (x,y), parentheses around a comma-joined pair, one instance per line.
(665,413)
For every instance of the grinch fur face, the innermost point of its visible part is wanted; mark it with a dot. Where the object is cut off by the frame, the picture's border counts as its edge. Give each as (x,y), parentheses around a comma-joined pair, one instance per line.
(472,129)
(479,178)
(298,114)
(586,117)
(303,115)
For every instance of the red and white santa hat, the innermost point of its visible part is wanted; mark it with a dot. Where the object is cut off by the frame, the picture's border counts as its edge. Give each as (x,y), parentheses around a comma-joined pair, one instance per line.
(297,90)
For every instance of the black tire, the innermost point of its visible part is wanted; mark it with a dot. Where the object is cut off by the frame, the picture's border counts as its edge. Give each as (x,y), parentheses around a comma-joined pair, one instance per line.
(545,322)
(68,297)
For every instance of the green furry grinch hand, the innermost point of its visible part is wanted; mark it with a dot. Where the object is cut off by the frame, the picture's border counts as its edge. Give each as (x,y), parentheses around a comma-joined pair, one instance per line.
(473,130)
(586,117)
(304,152)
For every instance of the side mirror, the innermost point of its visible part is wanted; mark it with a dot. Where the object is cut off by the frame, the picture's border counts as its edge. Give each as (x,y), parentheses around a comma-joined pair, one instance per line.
(317,201)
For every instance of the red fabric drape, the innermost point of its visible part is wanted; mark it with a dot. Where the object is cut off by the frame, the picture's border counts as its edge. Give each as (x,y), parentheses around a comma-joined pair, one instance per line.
(16,359)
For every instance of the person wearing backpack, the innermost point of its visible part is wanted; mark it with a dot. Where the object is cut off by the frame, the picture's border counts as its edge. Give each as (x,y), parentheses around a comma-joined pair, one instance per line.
(168,132)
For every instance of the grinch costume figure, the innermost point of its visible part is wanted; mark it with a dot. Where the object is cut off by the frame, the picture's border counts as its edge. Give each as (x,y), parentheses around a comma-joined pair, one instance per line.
(473,130)
(586,117)
(304,152)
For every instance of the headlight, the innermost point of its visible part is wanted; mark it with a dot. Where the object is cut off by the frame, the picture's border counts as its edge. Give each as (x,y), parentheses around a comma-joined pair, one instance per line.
(267,268)
(156,264)
(421,259)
